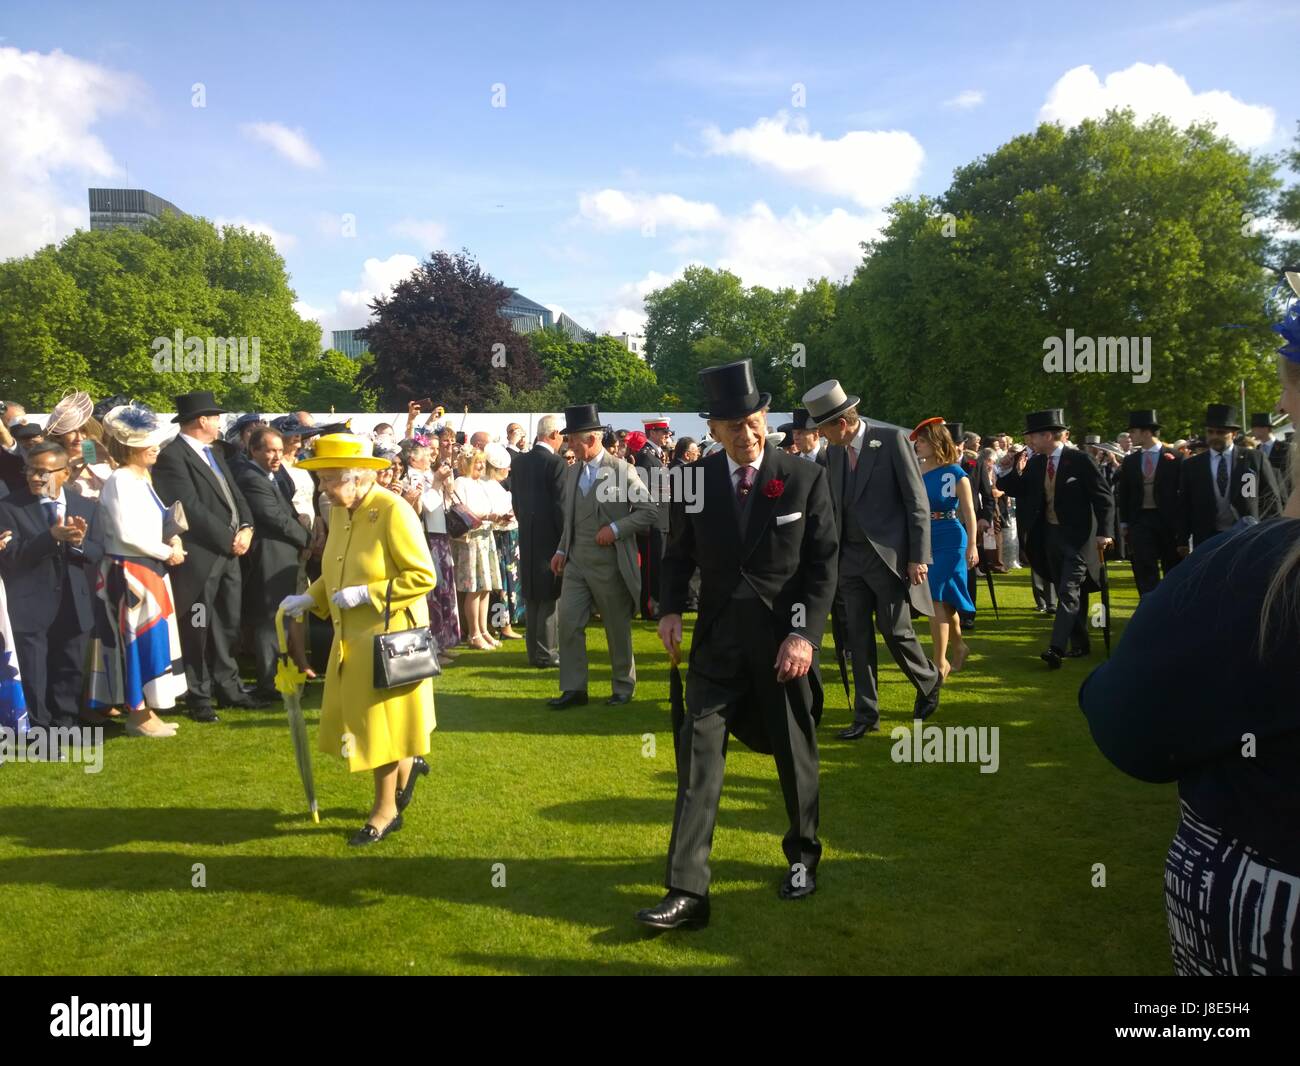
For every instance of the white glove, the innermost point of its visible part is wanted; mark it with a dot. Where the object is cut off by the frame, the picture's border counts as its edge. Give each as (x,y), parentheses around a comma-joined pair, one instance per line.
(352,596)
(295,605)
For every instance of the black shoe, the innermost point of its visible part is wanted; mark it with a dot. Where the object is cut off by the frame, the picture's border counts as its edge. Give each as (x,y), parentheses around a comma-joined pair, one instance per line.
(675,911)
(203,712)
(1079,653)
(789,890)
(368,834)
(547,666)
(404,795)
(926,705)
(857,731)
(576,698)
(1052,657)
(248,702)
(617,700)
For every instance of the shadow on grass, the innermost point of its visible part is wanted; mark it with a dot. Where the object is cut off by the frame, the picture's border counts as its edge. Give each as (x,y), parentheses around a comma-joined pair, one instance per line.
(95,829)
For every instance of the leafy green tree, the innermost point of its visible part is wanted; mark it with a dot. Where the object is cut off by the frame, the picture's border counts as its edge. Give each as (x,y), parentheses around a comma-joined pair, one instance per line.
(1287,253)
(329,381)
(600,371)
(441,334)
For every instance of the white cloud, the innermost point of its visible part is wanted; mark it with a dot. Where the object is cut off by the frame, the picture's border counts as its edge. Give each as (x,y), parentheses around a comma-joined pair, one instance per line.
(430,234)
(351,308)
(614,209)
(282,241)
(764,249)
(966,100)
(626,312)
(869,167)
(1149,90)
(292,144)
(48,156)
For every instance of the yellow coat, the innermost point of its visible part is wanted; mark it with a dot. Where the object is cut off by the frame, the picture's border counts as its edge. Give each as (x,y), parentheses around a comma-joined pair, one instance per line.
(381,539)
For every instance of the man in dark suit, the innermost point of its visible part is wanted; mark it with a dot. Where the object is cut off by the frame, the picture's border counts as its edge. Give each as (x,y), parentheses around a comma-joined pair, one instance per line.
(49,572)
(764,544)
(650,463)
(537,490)
(882,514)
(1223,484)
(807,438)
(1065,512)
(279,542)
(1147,493)
(1276,449)
(207,585)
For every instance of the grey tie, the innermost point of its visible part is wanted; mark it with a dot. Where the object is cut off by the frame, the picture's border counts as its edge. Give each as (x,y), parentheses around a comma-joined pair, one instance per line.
(225,489)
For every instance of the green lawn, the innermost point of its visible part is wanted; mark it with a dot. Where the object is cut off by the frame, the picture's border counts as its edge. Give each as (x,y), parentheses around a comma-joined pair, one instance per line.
(932,868)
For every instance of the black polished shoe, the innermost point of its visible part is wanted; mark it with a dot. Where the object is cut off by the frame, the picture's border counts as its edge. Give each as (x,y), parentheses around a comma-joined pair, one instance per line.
(404,795)
(857,731)
(1052,657)
(247,702)
(546,666)
(576,698)
(806,887)
(1079,653)
(617,700)
(926,705)
(368,834)
(676,910)
(203,712)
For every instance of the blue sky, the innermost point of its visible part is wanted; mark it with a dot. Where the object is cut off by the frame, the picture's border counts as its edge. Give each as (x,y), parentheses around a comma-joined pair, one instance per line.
(633,140)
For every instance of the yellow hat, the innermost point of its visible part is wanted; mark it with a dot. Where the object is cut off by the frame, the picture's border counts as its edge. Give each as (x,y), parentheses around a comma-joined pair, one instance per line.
(342,451)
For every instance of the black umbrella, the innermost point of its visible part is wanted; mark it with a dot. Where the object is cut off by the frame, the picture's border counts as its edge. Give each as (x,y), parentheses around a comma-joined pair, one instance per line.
(676,700)
(1105,603)
(841,650)
(988,576)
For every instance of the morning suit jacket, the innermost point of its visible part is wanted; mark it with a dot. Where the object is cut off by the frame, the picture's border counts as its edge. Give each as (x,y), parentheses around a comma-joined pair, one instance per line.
(36,567)
(537,490)
(1279,458)
(1084,506)
(621,498)
(271,565)
(11,470)
(1129,486)
(1252,492)
(788,554)
(649,459)
(890,502)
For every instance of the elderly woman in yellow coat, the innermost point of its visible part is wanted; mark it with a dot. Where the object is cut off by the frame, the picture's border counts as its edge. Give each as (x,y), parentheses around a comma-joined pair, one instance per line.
(375,538)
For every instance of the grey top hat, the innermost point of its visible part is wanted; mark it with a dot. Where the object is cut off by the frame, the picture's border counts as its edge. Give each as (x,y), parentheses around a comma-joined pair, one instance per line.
(827,402)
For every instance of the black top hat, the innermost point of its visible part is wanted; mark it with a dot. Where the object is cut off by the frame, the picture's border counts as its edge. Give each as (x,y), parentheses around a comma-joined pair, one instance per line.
(192,405)
(582,418)
(1261,421)
(1053,418)
(802,419)
(1221,416)
(1143,420)
(731,391)
(955,430)
(788,429)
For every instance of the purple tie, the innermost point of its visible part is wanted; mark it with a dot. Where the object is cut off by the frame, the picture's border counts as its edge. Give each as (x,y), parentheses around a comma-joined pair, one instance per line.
(744,482)
(1148,464)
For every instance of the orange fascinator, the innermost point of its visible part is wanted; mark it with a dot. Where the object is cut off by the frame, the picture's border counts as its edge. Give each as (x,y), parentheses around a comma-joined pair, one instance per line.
(921,425)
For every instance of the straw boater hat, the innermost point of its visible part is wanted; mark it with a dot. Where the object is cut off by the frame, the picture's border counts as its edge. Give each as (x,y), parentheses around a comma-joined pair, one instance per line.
(343,451)
(135,426)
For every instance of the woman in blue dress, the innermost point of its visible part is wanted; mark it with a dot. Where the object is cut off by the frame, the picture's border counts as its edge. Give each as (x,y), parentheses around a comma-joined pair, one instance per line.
(952,539)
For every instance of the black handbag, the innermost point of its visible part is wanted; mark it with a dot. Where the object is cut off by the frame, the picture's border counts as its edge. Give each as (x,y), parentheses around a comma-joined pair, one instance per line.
(406,656)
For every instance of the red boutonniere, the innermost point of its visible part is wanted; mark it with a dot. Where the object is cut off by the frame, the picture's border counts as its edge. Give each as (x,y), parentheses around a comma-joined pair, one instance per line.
(1168,455)
(773,489)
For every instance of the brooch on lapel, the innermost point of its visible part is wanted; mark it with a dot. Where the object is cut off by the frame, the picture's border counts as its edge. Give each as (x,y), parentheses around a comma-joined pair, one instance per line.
(373,514)
(873,444)
(773,489)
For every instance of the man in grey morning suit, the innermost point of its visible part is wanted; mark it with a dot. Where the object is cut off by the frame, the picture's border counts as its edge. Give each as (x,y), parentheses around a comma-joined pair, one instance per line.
(605,506)
(883,515)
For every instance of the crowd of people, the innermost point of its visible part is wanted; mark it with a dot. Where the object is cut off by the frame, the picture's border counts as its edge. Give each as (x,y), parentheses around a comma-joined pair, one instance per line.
(140,559)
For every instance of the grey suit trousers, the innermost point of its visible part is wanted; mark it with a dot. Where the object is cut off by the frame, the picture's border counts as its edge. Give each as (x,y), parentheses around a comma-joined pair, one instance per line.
(598,583)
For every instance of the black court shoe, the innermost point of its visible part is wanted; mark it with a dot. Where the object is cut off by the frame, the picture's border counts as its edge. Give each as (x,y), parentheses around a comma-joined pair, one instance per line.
(404,795)
(368,834)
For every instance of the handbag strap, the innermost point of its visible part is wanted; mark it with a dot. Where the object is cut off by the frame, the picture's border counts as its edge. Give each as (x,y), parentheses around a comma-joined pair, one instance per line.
(388,606)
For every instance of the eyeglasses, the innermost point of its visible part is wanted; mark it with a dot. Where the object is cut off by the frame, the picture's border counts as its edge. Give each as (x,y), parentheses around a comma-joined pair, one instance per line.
(41,475)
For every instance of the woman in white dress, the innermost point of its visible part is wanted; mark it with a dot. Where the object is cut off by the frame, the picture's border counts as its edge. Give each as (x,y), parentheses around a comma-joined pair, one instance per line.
(505,531)
(478,571)
(138,662)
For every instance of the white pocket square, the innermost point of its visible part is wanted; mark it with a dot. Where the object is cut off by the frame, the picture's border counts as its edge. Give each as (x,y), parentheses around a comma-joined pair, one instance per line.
(786,519)
(1071,480)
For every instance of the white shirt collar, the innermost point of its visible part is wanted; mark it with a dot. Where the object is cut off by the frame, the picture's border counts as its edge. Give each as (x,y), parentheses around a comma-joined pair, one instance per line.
(733,466)
(859,436)
(1057,454)
(194,443)
(1156,447)
(543,444)
(593,464)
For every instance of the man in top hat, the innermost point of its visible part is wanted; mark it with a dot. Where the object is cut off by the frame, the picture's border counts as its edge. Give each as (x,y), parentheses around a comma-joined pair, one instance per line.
(1065,509)
(1224,484)
(807,438)
(207,584)
(650,462)
(882,514)
(1276,449)
(764,546)
(1147,493)
(605,507)
(537,491)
